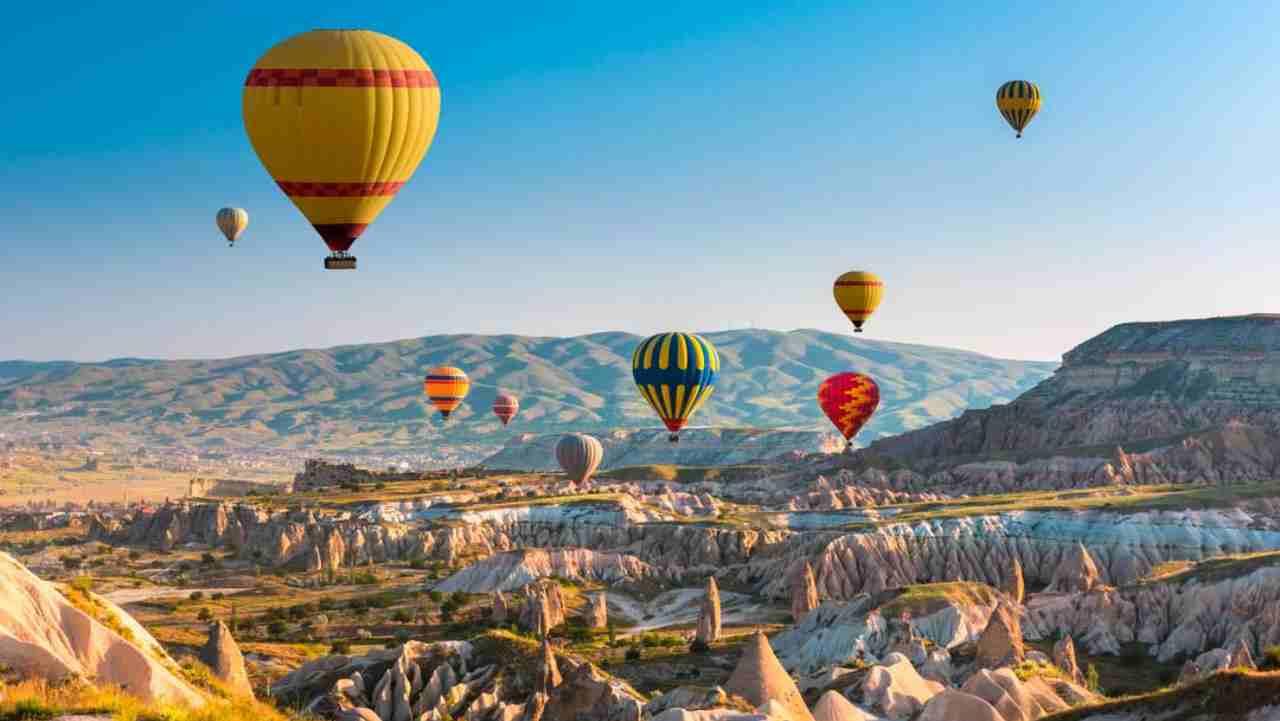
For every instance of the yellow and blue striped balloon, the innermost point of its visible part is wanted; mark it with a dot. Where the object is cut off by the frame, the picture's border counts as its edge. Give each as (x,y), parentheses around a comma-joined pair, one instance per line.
(676,373)
(1018,101)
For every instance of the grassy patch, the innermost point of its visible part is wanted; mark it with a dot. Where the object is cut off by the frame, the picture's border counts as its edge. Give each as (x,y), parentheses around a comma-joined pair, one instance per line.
(40,700)
(925,598)
(1214,569)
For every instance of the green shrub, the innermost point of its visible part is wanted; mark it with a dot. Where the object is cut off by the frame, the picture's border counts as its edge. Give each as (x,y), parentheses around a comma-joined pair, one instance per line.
(196,595)
(341,648)
(633,653)
(699,646)
(277,628)
(1091,679)
(205,615)
(1270,658)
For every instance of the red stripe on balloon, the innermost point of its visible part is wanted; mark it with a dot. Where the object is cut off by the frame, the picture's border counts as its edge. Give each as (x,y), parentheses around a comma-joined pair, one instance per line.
(340,78)
(309,189)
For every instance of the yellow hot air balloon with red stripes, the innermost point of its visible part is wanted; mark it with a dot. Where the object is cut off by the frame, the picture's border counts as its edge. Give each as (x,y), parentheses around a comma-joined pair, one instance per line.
(446,387)
(858,293)
(341,119)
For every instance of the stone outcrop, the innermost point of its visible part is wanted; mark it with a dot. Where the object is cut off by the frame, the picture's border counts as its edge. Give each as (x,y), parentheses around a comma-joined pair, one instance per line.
(804,596)
(1064,657)
(896,690)
(230,488)
(759,678)
(953,705)
(46,635)
(596,614)
(834,707)
(1001,641)
(708,630)
(549,676)
(510,571)
(1077,573)
(500,611)
(1014,586)
(543,607)
(318,474)
(222,655)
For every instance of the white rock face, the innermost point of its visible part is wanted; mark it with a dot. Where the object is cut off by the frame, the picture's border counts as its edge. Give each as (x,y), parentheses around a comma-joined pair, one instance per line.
(513,570)
(43,635)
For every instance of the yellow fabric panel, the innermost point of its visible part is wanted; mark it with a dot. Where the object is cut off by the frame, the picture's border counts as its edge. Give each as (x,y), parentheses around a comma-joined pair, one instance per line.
(666,402)
(342,210)
(858,301)
(678,409)
(651,394)
(702,398)
(664,355)
(698,359)
(682,352)
(339,49)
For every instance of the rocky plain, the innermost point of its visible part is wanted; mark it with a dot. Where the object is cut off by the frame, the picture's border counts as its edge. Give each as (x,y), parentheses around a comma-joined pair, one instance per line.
(1104,547)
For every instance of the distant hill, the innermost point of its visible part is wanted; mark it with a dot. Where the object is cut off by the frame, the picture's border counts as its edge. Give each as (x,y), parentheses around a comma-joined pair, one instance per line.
(370,396)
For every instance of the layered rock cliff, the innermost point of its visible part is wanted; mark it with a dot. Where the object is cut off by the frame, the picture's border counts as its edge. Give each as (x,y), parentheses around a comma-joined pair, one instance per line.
(1197,399)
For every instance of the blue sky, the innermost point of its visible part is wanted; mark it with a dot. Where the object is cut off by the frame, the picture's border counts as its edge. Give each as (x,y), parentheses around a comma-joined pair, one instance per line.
(699,166)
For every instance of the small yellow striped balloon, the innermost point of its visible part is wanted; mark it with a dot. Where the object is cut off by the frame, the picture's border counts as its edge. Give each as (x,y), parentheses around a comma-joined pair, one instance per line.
(232,222)
(1018,101)
(858,293)
(445,387)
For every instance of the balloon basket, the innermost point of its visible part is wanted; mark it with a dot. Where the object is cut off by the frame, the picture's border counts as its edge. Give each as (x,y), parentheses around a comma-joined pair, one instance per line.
(340,262)
(673,438)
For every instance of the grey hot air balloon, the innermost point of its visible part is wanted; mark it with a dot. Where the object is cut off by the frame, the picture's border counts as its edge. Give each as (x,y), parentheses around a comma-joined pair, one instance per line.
(232,222)
(579,455)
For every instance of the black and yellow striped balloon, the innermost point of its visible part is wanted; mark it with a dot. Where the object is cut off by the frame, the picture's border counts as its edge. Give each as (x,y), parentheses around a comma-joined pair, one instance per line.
(1018,101)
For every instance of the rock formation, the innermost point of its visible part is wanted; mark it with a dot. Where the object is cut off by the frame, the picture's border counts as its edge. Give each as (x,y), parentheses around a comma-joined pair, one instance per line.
(958,706)
(597,611)
(45,635)
(222,655)
(1241,656)
(759,678)
(709,616)
(1001,641)
(1077,574)
(543,607)
(1064,657)
(512,570)
(804,596)
(549,674)
(499,614)
(1014,587)
(896,690)
(834,707)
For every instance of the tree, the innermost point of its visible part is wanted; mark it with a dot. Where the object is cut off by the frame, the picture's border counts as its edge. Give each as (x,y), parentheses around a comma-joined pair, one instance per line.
(205,615)
(71,563)
(277,628)
(613,633)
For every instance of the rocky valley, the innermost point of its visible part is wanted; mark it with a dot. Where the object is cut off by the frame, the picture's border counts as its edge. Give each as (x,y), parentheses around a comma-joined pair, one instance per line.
(1105,547)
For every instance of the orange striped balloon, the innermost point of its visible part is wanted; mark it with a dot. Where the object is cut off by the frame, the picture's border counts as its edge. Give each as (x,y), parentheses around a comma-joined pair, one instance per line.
(445,387)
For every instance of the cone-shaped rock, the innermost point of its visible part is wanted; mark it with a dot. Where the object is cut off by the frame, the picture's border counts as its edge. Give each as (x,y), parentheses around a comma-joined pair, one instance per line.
(1001,641)
(1014,585)
(597,612)
(804,595)
(550,677)
(834,707)
(1064,657)
(1241,657)
(760,678)
(222,655)
(709,614)
(1076,573)
(499,608)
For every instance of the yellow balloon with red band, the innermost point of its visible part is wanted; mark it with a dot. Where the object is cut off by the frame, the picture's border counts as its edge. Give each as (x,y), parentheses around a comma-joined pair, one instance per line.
(341,119)
(858,293)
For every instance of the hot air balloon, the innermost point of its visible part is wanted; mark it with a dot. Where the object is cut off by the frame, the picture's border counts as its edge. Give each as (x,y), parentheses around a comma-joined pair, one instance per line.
(676,373)
(232,222)
(445,387)
(341,119)
(1018,101)
(505,407)
(579,455)
(849,400)
(858,294)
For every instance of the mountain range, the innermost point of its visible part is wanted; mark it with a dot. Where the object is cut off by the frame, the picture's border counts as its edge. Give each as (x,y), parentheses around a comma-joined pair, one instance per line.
(370,395)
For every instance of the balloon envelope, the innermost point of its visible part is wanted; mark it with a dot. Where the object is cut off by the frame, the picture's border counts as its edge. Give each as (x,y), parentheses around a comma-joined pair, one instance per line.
(445,387)
(849,400)
(858,293)
(579,455)
(1018,101)
(232,222)
(505,407)
(675,373)
(341,119)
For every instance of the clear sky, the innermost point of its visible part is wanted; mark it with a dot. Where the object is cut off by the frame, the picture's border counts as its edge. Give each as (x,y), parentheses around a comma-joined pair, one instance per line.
(652,166)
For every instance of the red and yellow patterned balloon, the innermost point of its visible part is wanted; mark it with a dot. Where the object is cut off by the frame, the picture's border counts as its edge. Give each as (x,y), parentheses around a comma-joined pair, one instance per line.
(849,400)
